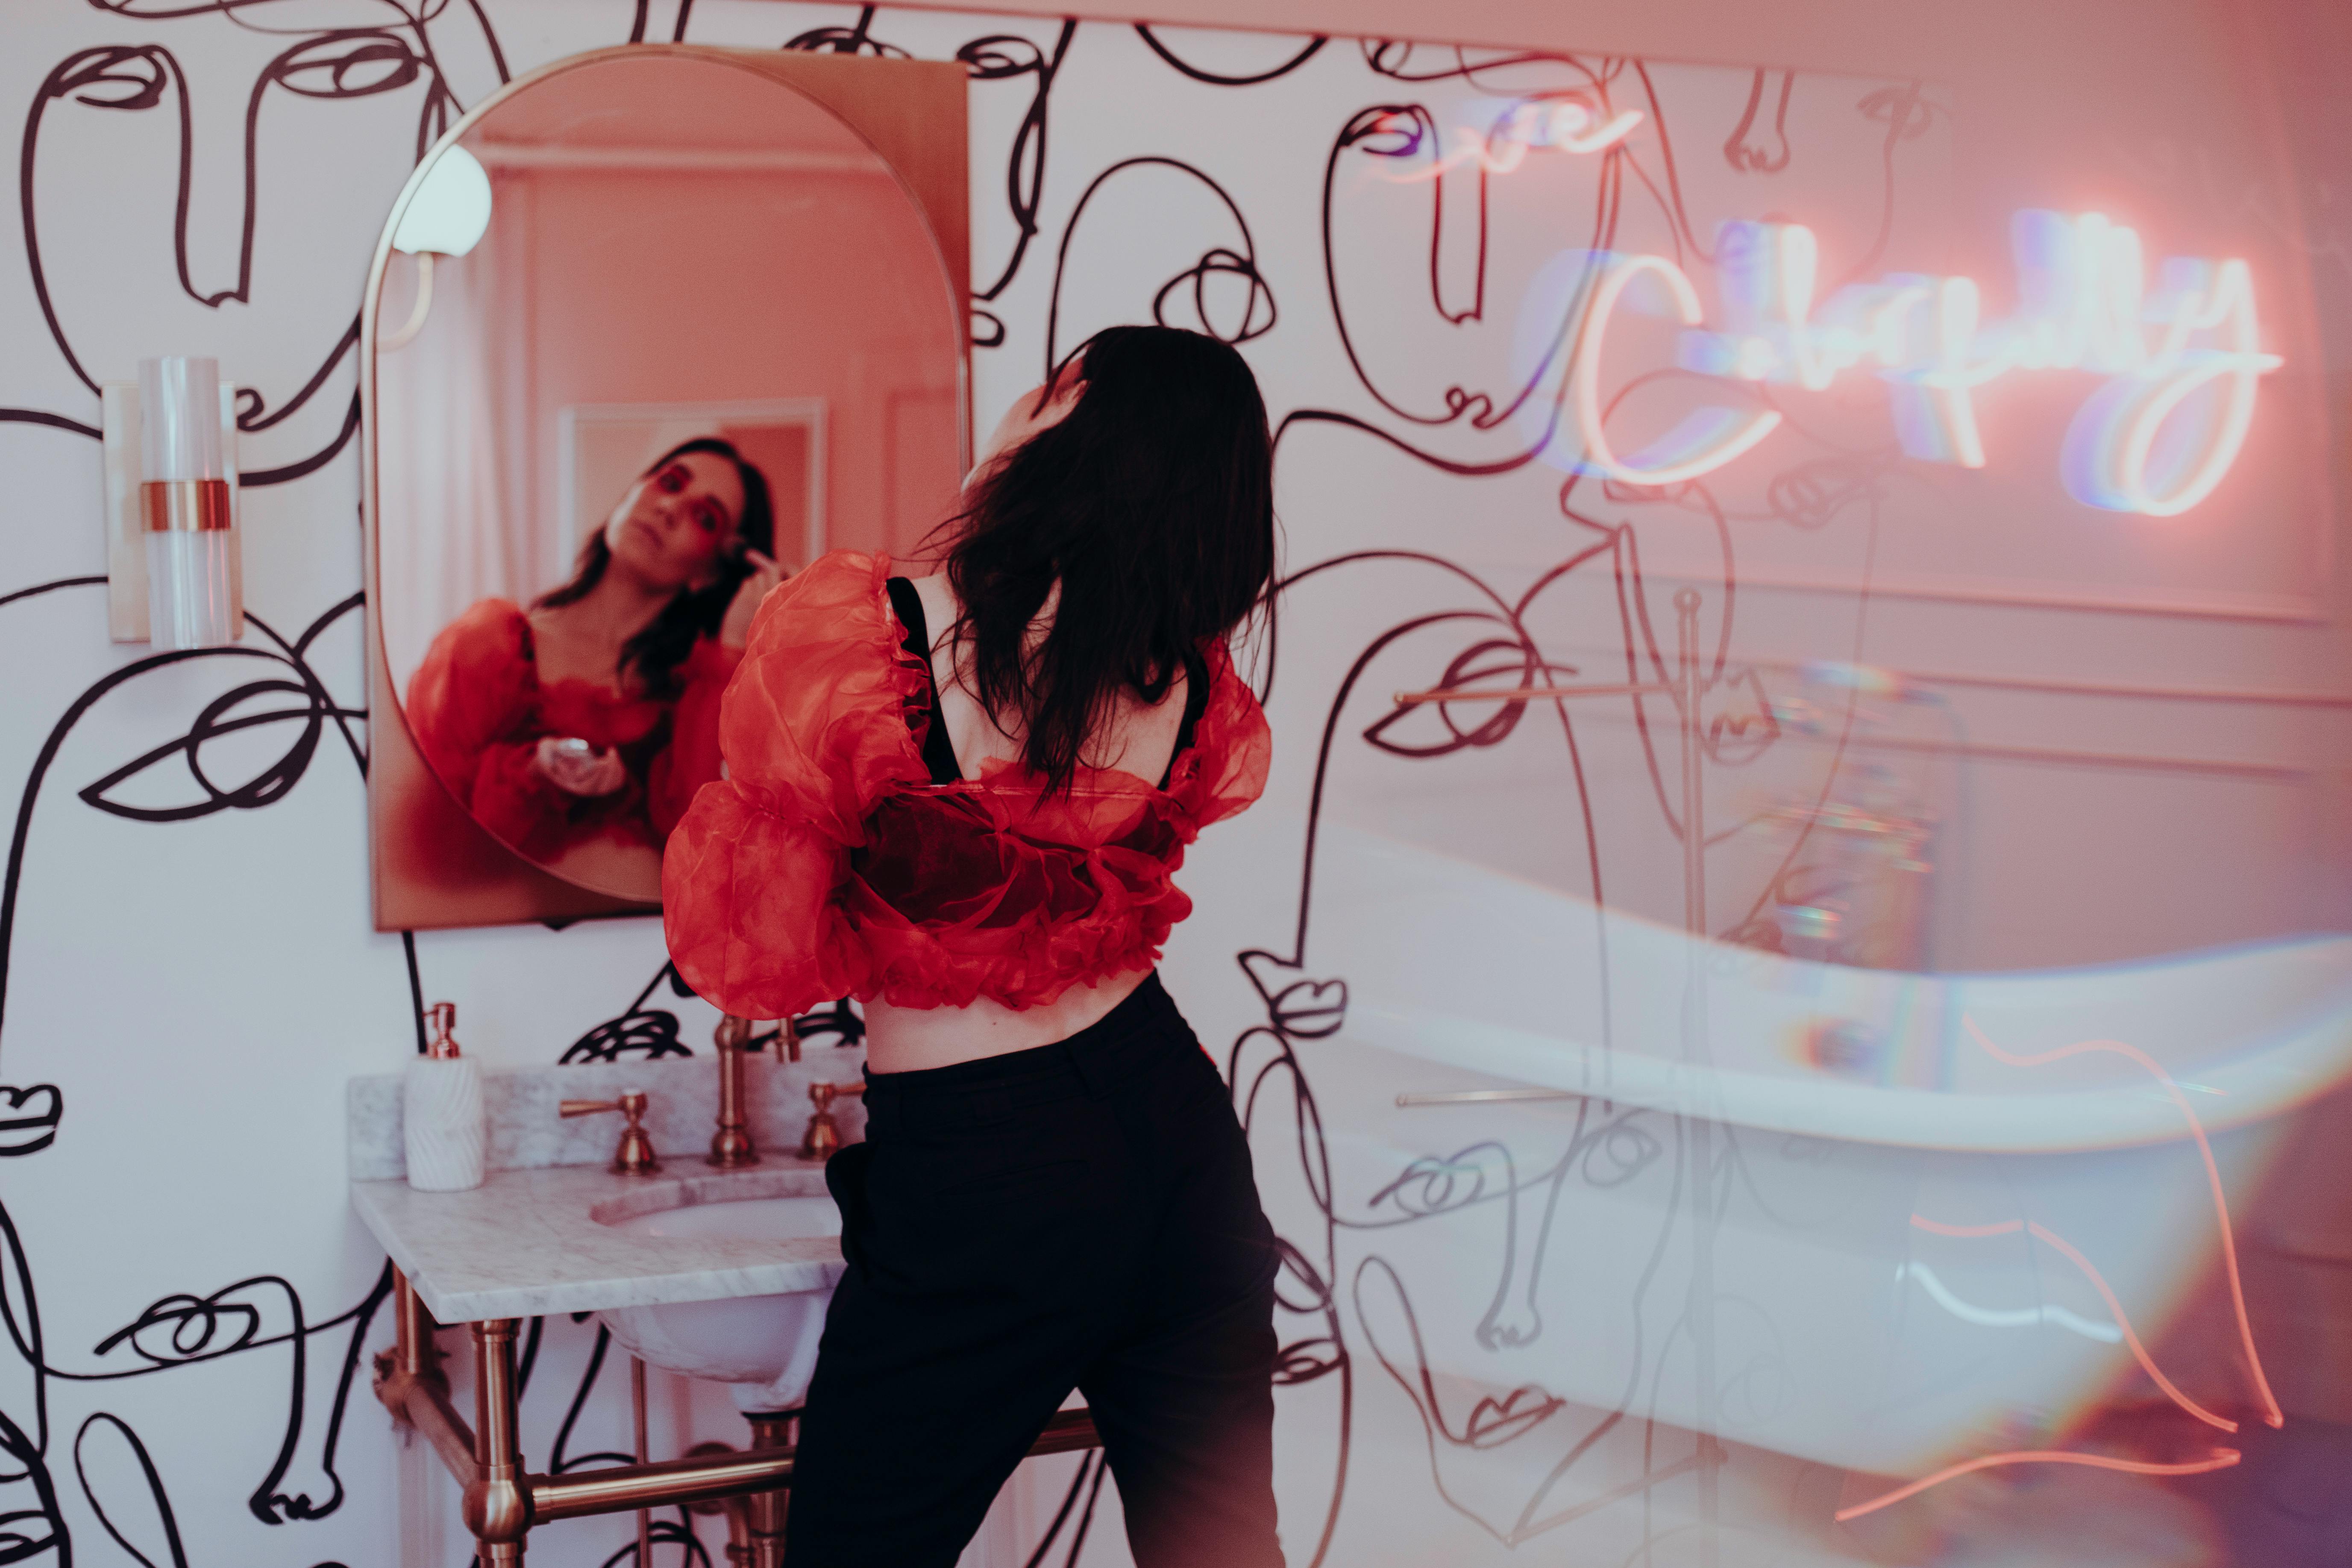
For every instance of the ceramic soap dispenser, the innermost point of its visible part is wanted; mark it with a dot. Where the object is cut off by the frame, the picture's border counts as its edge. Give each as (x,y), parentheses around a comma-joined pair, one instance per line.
(442,1112)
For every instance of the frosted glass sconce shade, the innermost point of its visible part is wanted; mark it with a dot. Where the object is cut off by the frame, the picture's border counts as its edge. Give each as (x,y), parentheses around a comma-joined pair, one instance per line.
(446,215)
(449,210)
(193,598)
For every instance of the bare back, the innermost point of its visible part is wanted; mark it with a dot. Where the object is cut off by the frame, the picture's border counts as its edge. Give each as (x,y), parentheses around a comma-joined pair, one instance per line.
(1140,740)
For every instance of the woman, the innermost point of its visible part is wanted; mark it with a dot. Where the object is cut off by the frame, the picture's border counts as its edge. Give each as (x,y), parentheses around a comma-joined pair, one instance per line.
(964,831)
(594,715)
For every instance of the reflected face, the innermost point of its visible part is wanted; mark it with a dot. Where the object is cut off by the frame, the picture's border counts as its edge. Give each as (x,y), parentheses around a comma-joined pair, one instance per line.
(677,520)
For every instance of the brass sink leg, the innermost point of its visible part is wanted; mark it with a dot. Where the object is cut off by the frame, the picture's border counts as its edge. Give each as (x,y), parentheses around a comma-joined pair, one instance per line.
(497,1506)
(764,1511)
(638,1412)
(755,1521)
(413,1352)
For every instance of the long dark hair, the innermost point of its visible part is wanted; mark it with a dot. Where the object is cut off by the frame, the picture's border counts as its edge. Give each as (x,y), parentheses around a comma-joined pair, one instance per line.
(693,614)
(1151,504)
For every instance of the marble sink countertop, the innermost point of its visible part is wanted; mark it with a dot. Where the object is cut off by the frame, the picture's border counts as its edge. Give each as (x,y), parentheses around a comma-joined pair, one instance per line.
(530,1242)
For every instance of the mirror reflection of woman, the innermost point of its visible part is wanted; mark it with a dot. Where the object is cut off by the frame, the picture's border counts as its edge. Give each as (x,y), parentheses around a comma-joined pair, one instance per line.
(961,799)
(591,718)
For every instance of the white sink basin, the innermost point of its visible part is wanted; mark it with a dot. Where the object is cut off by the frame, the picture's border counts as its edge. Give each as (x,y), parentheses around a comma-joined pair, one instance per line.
(751,1219)
(764,1346)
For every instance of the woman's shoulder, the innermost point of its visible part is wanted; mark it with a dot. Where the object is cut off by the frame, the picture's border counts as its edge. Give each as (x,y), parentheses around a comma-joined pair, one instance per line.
(486,620)
(479,672)
(489,631)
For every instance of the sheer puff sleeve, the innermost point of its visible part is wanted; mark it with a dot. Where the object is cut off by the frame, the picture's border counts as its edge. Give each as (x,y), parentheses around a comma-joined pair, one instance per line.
(814,731)
(473,706)
(1224,772)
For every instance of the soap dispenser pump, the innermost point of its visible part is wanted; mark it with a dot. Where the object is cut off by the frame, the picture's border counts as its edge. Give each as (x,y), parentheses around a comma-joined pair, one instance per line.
(441,1111)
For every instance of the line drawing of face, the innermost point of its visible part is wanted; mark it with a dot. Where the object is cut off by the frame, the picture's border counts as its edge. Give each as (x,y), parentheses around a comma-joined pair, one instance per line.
(675,524)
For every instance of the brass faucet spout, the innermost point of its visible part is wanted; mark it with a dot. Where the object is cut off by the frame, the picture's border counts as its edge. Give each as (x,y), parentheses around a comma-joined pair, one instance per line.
(731,1146)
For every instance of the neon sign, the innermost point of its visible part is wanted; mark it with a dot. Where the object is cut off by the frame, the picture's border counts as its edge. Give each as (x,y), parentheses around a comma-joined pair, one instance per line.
(2138,444)
(1560,124)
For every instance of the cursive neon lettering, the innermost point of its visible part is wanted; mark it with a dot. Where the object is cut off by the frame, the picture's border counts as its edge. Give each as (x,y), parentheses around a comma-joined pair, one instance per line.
(1565,125)
(1705,440)
(2113,457)
(2156,439)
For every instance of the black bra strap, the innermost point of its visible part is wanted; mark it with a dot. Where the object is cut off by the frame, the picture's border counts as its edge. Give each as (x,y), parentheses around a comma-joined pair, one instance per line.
(939,751)
(1196,702)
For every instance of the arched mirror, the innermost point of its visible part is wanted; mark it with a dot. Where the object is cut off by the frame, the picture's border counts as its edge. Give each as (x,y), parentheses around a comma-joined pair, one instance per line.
(647,331)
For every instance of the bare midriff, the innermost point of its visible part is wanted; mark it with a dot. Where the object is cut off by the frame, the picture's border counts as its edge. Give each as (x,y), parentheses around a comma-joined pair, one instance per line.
(909,1039)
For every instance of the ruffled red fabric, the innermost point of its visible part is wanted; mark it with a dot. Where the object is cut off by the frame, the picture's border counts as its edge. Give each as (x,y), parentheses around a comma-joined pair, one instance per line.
(826,864)
(478,710)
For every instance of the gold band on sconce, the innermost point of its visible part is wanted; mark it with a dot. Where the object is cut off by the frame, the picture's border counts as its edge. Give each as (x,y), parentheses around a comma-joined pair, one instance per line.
(184,506)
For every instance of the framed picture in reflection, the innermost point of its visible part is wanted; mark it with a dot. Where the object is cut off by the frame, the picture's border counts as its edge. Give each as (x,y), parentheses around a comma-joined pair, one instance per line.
(600,449)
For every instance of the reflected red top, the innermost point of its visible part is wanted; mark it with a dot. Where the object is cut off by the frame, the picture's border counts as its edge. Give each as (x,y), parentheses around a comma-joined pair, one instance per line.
(479,708)
(826,864)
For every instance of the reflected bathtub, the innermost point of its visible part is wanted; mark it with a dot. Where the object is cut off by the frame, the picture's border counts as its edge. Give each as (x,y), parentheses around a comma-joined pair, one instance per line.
(1932,1231)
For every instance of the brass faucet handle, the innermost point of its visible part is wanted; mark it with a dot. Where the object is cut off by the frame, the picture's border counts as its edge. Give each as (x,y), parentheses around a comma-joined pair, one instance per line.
(621,1103)
(824,1137)
(635,1157)
(823,1095)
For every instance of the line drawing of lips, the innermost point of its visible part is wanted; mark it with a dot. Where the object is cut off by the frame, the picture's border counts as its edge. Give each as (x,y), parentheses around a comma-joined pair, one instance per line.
(1304,1009)
(32,1115)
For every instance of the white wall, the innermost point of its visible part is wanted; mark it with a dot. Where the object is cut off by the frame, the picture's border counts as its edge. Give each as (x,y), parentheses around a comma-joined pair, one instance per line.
(194,971)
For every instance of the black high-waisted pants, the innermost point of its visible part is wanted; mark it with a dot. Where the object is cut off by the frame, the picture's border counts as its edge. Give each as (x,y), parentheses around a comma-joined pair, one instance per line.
(1081,1214)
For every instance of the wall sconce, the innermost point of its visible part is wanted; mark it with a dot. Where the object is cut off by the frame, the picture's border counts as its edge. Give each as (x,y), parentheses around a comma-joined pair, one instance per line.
(447,214)
(175,570)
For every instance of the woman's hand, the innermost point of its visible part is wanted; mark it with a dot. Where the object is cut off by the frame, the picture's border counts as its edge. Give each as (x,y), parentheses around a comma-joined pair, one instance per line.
(577,767)
(735,630)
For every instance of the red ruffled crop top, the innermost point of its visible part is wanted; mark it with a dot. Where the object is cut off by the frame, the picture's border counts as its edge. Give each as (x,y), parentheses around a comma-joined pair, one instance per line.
(827,864)
(479,708)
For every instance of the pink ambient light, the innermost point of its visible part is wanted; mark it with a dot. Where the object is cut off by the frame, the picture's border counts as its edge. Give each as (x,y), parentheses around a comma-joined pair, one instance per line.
(2144,442)
(2219,1458)
(2216,1459)
(2272,1413)
(2115,1308)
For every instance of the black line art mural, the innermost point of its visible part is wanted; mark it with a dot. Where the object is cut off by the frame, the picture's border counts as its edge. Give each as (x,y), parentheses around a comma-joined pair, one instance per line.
(1408,239)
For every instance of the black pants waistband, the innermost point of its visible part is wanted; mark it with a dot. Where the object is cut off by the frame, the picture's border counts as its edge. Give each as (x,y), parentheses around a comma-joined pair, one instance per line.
(1129,1037)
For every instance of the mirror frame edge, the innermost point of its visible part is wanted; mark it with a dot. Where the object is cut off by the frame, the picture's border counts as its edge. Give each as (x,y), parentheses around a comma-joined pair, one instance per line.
(921,136)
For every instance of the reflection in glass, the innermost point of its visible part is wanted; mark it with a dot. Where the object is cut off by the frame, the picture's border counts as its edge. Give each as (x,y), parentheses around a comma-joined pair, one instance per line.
(584,725)
(689,263)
